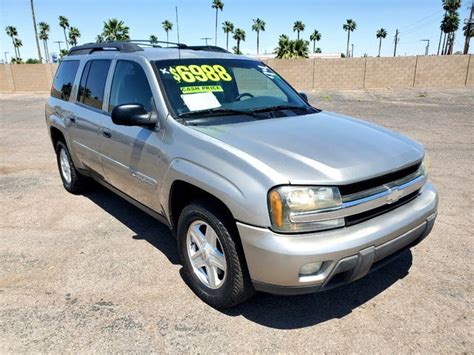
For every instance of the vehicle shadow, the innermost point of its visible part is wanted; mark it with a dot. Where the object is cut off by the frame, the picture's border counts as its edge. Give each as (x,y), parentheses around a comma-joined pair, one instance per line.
(306,310)
(278,312)
(144,226)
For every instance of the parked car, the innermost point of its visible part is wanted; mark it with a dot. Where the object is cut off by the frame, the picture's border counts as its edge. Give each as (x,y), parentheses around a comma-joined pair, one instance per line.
(262,190)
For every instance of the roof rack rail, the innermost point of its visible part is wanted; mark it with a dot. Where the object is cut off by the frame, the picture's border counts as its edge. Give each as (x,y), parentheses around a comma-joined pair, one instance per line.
(208,48)
(131,46)
(120,46)
(147,42)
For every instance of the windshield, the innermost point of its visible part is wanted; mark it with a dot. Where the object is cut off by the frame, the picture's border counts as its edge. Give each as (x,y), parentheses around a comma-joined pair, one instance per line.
(227,90)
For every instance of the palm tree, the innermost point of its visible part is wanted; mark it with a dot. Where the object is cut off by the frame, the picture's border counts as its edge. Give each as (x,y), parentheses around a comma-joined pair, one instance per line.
(380,34)
(153,39)
(12,32)
(115,30)
(468,31)
(315,36)
(349,26)
(36,31)
(449,26)
(218,5)
(227,27)
(44,36)
(288,48)
(239,35)
(449,22)
(301,49)
(17,43)
(74,34)
(99,39)
(258,25)
(298,27)
(64,23)
(167,26)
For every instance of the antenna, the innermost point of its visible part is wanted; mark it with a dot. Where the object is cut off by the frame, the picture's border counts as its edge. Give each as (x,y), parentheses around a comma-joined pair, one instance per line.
(177,31)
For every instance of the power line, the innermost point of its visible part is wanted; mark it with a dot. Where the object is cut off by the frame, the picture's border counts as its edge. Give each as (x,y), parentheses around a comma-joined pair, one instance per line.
(436,13)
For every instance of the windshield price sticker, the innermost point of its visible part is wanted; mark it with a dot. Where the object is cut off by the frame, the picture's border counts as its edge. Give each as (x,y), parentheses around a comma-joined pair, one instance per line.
(201,88)
(198,73)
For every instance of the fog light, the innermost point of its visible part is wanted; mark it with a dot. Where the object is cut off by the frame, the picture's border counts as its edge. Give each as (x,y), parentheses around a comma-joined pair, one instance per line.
(310,268)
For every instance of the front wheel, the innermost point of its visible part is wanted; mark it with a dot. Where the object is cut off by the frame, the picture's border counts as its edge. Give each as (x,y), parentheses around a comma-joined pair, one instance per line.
(211,257)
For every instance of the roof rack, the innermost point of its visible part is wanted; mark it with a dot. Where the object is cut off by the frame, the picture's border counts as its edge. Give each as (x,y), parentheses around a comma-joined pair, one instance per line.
(131,46)
(120,46)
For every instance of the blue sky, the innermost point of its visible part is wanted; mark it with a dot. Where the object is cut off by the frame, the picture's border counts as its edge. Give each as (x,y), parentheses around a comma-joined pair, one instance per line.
(416,19)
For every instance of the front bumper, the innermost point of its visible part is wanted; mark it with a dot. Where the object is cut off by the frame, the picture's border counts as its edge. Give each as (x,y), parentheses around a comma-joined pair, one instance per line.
(274,260)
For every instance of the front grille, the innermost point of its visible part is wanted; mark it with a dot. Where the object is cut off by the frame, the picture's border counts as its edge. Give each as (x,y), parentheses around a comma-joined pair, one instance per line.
(377,181)
(364,216)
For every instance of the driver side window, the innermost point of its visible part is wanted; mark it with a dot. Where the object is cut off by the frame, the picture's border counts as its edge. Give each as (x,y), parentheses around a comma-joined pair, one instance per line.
(130,86)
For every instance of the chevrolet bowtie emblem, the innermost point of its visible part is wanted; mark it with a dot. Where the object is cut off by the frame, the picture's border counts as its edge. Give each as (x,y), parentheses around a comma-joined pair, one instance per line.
(394,195)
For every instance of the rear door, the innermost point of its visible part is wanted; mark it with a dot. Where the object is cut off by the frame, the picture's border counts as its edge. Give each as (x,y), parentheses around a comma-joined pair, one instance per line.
(85,124)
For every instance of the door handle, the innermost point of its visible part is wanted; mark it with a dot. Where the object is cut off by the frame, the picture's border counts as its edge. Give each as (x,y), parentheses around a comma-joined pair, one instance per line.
(72,119)
(106,133)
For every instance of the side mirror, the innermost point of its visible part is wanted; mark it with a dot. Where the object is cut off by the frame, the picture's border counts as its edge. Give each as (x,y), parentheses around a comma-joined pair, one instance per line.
(304,97)
(133,115)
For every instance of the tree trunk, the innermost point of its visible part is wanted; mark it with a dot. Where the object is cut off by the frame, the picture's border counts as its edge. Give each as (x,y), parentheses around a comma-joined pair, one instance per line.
(65,37)
(227,42)
(439,43)
(314,46)
(258,42)
(238,46)
(380,45)
(14,47)
(36,32)
(215,38)
(444,44)
(451,44)
(348,38)
(298,34)
(167,40)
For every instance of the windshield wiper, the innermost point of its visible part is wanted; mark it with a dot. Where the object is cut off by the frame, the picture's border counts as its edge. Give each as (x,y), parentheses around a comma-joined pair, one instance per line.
(280,107)
(217,111)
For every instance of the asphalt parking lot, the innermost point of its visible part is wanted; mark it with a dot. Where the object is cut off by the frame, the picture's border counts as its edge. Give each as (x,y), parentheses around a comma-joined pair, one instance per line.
(93,273)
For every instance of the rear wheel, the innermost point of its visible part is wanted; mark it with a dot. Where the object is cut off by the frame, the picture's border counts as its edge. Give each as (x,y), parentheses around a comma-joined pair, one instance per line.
(73,181)
(211,257)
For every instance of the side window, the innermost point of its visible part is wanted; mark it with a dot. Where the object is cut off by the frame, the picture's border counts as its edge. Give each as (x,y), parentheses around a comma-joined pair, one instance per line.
(91,88)
(130,86)
(64,79)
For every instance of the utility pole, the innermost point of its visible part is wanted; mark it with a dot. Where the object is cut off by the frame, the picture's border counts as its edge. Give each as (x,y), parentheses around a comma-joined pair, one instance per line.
(59,45)
(395,41)
(6,59)
(352,50)
(427,48)
(206,39)
(468,31)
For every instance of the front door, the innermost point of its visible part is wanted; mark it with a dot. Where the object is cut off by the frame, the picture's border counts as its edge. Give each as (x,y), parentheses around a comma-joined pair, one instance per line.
(130,155)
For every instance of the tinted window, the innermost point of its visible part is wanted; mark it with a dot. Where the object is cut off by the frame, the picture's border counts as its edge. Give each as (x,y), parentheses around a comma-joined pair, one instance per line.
(64,79)
(130,86)
(91,88)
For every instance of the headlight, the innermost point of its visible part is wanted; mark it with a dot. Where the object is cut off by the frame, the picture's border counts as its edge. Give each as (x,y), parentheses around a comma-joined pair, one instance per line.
(285,201)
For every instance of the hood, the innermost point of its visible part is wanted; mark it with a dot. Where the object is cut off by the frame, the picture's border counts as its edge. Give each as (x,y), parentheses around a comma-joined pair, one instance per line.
(320,148)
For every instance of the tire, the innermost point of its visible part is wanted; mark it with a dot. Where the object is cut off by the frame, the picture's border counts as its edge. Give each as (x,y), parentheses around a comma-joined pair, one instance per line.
(231,286)
(73,181)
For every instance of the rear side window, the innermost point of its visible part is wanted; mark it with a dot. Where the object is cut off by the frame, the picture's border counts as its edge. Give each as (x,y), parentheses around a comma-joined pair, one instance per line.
(130,86)
(92,85)
(64,79)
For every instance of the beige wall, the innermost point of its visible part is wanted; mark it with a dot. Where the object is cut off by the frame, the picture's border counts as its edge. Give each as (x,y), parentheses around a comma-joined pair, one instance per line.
(304,74)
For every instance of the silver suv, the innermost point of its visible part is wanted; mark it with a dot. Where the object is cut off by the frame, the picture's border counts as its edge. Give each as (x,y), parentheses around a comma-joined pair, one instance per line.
(262,190)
